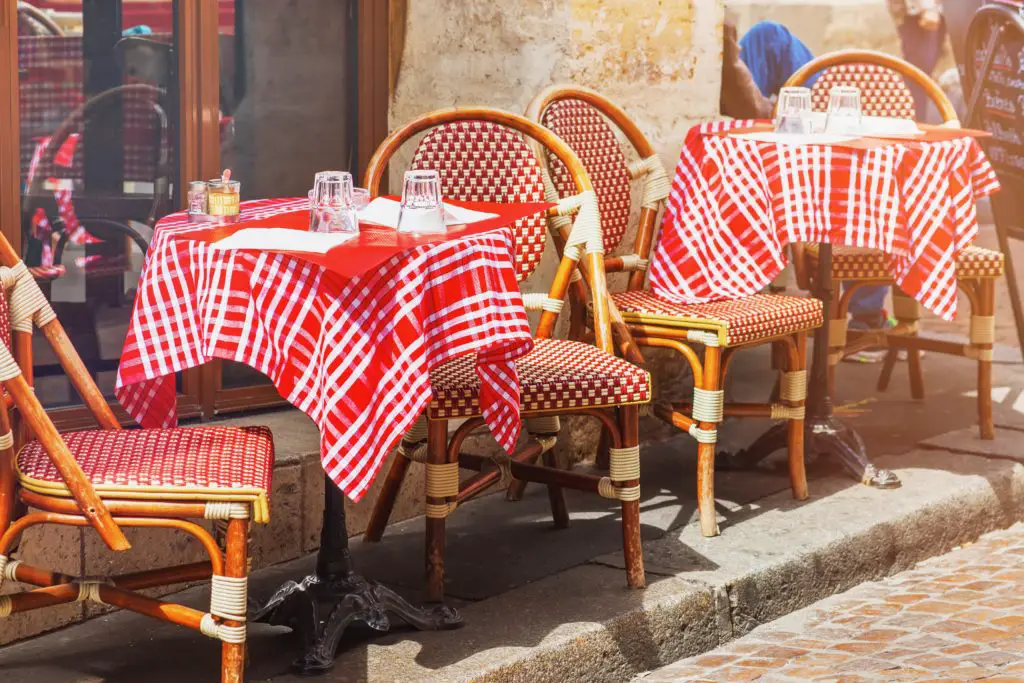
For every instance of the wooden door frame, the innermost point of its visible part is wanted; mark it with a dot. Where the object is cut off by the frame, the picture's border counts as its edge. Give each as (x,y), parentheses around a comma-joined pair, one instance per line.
(372,33)
(79,417)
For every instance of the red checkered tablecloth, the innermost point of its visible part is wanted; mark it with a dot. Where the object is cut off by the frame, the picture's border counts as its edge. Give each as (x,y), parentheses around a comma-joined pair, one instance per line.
(353,354)
(736,204)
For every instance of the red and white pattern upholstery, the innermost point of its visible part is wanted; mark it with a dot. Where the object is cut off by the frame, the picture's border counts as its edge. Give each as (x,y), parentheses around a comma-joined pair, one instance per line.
(352,354)
(883,92)
(739,321)
(736,204)
(588,134)
(480,161)
(557,375)
(850,263)
(200,464)
(52,88)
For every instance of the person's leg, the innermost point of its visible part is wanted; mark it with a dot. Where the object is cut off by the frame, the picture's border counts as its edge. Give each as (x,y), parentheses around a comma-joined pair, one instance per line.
(922,48)
(866,308)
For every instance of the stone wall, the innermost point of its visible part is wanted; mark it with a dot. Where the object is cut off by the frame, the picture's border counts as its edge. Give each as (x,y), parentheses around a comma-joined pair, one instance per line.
(661,61)
(827,25)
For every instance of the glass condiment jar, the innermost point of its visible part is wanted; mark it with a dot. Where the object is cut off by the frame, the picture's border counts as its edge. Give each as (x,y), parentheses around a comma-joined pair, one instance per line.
(222,198)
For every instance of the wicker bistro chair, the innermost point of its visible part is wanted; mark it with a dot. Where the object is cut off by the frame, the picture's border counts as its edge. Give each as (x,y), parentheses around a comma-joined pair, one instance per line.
(481,155)
(884,92)
(587,121)
(113,479)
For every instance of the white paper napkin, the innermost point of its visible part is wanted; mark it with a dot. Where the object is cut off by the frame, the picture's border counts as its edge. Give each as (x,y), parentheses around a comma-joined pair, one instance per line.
(794,138)
(283,239)
(384,211)
(887,126)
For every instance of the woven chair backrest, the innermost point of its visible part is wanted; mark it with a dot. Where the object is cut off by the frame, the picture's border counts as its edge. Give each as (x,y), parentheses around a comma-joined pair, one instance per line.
(590,135)
(480,161)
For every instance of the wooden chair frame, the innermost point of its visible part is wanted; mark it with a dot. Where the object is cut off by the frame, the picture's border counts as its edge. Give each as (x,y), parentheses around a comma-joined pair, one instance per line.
(905,336)
(440,452)
(228,564)
(701,417)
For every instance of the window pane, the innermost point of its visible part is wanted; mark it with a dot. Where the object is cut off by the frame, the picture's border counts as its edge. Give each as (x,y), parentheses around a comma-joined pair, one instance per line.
(287,102)
(98,165)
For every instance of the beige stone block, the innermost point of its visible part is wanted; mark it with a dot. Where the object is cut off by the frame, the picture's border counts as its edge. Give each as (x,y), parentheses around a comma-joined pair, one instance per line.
(281,540)
(52,547)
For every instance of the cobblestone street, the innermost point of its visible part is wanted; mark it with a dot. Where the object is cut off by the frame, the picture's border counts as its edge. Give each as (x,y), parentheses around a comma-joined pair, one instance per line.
(958,617)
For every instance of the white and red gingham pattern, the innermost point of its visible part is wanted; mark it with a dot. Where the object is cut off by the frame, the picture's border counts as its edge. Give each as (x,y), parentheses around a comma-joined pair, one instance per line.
(479,161)
(587,133)
(883,92)
(352,354)
(751,319)
(558,374)
(221,458)
(735,205)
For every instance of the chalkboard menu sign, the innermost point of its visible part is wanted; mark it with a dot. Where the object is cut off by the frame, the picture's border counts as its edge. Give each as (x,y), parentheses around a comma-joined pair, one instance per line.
(996,82)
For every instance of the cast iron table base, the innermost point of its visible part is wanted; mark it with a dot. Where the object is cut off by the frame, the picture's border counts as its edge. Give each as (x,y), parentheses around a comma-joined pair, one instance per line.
(825,435)
(322,605)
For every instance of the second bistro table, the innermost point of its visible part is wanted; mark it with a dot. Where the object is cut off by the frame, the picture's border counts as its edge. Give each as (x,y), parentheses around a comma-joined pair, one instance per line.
(736,203)
(349,341)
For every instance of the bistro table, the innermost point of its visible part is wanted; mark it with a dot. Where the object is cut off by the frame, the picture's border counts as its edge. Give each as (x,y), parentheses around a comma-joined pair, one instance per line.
(348,337)
(738,200)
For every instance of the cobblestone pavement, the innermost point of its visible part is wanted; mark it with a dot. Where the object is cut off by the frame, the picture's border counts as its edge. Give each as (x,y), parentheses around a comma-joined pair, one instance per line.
(958,617)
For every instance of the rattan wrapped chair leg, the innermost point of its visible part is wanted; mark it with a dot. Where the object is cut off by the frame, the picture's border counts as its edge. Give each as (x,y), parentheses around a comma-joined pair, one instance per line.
(587,121)
(113,479)
(481,155)
(884,92)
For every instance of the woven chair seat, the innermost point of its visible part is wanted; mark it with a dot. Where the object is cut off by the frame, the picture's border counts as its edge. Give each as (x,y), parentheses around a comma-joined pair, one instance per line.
(854,263)
(738,321)
(203,464)
(557,374)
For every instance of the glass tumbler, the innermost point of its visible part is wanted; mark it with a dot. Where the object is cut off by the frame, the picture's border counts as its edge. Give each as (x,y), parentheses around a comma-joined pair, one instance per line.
(421,209)
(331,204)
(793,113)
(844,114)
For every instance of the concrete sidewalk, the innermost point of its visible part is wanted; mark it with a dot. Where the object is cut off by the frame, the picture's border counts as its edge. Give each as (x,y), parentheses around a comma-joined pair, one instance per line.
(546,605)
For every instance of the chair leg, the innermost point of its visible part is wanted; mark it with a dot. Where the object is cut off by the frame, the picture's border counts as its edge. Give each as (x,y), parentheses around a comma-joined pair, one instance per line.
(442,488)
(916,374)
(795,427)
(556,496)
(385,503)
(236,566)
(632,550)
(706,447)
(888,365)
(982,338)
(603,444)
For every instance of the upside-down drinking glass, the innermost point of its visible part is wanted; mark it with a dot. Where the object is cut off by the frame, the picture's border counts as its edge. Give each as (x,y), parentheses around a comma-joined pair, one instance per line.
(421,209)
(331,204)
(793,113)
(844,114)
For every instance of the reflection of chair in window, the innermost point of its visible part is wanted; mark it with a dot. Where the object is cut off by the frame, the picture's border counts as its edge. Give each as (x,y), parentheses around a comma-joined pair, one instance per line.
(107,219)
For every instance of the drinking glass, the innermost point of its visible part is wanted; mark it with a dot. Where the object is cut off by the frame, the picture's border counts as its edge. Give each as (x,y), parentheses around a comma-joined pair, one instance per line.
(421,209)
(844,113)
(793,113)
(360,198)
(331,203)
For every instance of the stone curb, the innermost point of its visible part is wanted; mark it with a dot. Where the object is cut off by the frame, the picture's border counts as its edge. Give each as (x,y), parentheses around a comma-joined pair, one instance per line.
(582,625)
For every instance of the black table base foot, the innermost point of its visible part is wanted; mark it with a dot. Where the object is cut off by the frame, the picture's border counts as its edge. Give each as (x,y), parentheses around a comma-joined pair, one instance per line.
(321,610)
(824,437)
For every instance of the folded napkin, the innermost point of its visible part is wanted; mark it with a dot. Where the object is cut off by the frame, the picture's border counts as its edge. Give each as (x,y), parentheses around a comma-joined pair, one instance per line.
(283,239)
(384,211)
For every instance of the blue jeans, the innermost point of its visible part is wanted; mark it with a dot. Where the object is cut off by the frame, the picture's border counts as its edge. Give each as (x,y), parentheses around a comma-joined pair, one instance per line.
(922,49)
